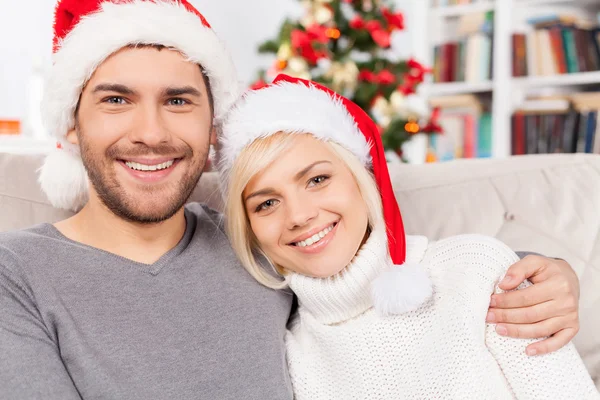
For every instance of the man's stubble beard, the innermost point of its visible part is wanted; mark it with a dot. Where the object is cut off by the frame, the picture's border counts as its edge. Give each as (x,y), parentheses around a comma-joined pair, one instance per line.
(101,172)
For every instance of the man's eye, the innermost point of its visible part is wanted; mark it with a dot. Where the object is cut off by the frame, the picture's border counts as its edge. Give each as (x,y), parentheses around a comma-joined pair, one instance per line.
(177,102)
(115,100)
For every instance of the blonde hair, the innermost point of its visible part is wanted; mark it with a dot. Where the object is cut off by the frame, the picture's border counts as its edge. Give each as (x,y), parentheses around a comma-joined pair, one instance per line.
(254,159)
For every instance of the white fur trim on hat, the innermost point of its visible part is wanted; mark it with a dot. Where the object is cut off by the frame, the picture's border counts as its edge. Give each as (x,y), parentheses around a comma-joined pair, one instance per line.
(292,108)
(101,34)
(401,288)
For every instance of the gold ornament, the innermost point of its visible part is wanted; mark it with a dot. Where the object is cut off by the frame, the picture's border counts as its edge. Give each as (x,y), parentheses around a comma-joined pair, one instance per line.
(382,112)
(367,5)
(412,127)
(317,12)
(284,52)
(298,68)
(398,101)
(344,76)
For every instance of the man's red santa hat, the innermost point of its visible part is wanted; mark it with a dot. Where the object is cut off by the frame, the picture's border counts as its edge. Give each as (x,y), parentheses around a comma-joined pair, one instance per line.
(87,32)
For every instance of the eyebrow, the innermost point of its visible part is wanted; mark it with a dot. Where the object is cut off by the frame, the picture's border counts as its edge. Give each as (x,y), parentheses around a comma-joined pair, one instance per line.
(297,177)
(167,92)
(113,87)
(178,91)
(304,171)
(262,192)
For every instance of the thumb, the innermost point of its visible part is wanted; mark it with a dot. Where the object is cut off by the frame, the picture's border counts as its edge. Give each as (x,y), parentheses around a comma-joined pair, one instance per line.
(527,268)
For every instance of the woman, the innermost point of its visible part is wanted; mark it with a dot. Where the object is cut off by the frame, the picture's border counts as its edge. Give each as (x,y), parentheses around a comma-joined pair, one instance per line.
(381,315)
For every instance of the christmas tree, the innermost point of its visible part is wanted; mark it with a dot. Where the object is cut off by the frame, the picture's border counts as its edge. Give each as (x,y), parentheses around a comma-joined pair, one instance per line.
(345,45)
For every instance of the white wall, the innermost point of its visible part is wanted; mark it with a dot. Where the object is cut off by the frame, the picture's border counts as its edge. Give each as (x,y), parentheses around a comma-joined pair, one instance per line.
(26,38)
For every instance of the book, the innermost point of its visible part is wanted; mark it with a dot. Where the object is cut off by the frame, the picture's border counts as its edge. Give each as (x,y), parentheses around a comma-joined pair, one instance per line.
(569,133)
(518,134)
(531,133)
(484,135)
(555,144)
(596,146)
(581,133)
(558,50)
(590,131)
(570,50)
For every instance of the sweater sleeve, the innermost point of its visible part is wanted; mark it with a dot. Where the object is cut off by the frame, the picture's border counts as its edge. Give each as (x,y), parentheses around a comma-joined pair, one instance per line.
(30,363)
(558,375)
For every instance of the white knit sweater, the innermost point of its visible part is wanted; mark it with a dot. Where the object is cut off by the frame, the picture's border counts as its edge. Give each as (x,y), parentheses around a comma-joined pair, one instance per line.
(338,347)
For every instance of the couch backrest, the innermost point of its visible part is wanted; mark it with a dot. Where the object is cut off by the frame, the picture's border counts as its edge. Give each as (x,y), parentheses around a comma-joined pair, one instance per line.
(548,204)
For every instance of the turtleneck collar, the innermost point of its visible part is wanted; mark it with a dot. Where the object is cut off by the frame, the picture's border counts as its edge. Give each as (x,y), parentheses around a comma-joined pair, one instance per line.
(348,294)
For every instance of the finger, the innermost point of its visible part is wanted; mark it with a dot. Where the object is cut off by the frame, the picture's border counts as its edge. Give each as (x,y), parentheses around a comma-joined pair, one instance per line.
(533,331)
(553,343)
(524,315)
(527,297)
(521,270)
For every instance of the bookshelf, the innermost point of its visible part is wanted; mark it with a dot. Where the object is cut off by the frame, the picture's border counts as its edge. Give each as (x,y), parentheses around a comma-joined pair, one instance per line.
(581,78)
(454,88)
(456,11)
(506,92)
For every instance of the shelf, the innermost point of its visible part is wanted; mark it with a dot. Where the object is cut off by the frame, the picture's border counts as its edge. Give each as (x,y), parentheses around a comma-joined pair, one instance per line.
(537,3)
(459,10)
(581,78)
(452,88)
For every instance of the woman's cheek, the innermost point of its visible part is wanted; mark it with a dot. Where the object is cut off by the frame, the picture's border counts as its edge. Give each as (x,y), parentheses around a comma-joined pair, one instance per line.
(267,232)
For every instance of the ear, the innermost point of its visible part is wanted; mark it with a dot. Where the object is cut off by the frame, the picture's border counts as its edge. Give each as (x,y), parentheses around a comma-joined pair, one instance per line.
(72,137)
(213,136)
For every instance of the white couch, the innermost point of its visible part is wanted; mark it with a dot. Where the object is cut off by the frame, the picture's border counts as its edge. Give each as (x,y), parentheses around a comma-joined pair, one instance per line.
(548,204)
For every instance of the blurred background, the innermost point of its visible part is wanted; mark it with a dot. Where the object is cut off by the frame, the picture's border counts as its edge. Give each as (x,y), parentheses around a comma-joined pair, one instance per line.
(443,79)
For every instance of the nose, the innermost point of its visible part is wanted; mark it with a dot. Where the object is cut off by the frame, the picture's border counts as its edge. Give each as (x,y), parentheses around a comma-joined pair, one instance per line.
(149,127)
(300,212)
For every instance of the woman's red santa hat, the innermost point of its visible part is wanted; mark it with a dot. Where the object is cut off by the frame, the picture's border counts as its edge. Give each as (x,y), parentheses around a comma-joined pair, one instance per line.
(87,32)
(295,105)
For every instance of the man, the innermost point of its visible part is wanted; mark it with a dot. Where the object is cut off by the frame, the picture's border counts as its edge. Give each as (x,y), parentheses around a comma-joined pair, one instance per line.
(137,297)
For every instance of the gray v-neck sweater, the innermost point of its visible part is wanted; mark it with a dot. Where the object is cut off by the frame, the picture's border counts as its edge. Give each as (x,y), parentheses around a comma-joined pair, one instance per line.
(77,322)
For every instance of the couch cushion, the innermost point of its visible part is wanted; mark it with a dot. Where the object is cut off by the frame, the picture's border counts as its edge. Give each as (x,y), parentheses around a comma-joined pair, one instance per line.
(549,204)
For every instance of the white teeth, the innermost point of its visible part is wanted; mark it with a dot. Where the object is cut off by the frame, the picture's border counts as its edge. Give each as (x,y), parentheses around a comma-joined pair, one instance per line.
(315,238)
(144,167)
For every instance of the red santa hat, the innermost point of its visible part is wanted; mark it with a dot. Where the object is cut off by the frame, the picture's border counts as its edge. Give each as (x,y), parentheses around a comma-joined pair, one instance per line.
(295,105)
(86,32)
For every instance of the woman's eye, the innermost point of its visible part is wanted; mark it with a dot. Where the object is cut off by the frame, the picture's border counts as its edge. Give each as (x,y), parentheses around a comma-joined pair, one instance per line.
(177,102)
(317,180)
(266,205)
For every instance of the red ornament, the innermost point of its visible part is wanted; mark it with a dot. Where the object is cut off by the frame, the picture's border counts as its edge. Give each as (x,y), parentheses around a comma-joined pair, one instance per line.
(357,22)
(318,33)
(407,87)
(366,75)
(394,20)
(299,38)
(380,36)
(373,25)
(433,125)
(302,42)
(416,70)
(386,77)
